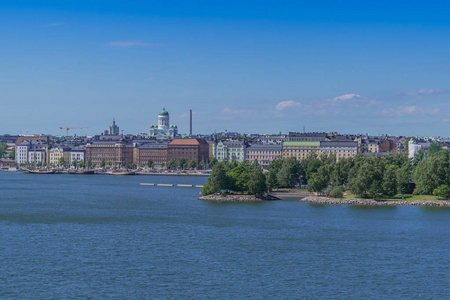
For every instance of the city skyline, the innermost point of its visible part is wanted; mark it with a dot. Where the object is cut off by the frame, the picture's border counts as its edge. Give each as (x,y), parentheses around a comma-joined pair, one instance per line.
(373,67)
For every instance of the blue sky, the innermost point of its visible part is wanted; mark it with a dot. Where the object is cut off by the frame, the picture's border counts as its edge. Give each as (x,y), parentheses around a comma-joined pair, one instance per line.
(248,66)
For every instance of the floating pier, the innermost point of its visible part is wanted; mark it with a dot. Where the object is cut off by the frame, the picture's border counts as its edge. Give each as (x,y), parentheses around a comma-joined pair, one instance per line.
(171,184)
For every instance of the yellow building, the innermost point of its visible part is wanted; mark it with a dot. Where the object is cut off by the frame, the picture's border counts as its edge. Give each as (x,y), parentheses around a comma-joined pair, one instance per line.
(56,153)
(300,150)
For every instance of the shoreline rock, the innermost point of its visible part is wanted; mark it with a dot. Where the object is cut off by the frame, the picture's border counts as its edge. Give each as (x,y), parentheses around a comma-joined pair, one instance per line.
(237,198)
(363,202)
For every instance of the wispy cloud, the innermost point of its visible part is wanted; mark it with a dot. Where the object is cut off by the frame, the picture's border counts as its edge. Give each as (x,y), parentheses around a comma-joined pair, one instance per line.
(54,24)
(427,92)
(287,105)
(130,44)
(408,110)
(352,100)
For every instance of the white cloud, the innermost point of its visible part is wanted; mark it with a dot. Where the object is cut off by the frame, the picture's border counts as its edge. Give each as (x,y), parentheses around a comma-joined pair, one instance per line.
(130,44)
(347,98)
(425,92)
(287,104)
(409,110)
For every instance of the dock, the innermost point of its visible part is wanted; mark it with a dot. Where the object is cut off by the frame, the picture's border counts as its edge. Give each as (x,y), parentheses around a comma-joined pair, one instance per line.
(172,184)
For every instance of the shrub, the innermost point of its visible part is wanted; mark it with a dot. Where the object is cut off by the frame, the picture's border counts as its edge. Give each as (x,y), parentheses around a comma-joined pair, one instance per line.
(442,192)
(336,193)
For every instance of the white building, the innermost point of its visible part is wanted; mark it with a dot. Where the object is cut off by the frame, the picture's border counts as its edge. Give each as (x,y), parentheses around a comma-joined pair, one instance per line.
(230,150)
(164,128)
(415,145)
(22,152)
(78,154)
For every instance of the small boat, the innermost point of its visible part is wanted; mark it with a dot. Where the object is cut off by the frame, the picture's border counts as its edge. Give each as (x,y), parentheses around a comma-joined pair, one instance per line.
(120,173)
(42,171)
(81,172)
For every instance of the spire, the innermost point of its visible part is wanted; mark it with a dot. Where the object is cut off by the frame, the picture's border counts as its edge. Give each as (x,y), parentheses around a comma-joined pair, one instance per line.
(114,120)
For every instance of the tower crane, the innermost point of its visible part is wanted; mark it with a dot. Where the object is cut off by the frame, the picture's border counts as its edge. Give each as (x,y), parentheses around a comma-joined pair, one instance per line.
(67,129)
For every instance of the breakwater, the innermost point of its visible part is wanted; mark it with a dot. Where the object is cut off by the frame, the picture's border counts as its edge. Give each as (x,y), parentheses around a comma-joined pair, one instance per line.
(237,198)
(363,202)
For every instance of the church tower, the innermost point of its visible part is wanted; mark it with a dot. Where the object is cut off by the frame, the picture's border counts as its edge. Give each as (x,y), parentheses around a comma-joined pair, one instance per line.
(163,119)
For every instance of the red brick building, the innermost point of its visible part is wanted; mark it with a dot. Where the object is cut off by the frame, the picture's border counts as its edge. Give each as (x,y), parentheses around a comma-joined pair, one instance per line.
(157,152)
(116,154)
(197,149)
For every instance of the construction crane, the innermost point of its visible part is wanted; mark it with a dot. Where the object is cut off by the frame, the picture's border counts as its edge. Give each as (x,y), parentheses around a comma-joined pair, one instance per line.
(67,129)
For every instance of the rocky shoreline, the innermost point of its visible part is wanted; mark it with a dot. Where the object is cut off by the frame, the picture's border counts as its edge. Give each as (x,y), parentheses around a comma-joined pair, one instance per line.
(363,202)
(237,198)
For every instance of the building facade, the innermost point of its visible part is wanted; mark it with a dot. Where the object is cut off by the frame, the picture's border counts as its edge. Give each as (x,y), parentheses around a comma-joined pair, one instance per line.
(56,153)
(191,148)
(264,154)
(164,128)
(157,152)
(340,149)
(300,150)
(115,154)
(230,150)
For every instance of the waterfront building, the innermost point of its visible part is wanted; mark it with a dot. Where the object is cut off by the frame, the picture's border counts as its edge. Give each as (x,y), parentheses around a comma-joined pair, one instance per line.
(22,152)
(58,152)
(340,149)
(230,150)
(77,154)
(116,154)
(299,149)
(152,150)
(191,148)
(34,151)
(264,154)
(164,128)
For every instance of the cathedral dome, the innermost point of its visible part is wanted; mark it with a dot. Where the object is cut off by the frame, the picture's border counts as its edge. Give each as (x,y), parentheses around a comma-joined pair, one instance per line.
(164,112)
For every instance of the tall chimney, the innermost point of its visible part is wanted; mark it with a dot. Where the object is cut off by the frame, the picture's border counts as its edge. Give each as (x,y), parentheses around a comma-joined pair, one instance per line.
(190,122)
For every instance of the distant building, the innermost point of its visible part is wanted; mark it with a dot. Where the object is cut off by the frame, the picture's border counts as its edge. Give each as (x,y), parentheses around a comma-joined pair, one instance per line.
(77,154)
(32,152)
(115,154)
(56,153)
(230,150)
(307,136)
(164,128)
(113,128)
(300,150)
(415,145)
(339,149)
(192,148)
(155,151)
(264,154)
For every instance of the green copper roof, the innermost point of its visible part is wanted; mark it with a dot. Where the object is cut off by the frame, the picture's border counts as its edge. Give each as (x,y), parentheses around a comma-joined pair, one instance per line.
(301,144)
(164,112)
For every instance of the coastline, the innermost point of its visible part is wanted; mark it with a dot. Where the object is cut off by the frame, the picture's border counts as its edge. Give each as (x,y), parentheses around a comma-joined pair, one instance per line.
(237,198)
(364,202)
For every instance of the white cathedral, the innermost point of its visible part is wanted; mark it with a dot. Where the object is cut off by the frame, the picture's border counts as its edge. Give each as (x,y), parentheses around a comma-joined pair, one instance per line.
(163,128)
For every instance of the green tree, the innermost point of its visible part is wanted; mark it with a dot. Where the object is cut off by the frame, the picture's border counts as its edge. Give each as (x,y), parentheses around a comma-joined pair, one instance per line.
(62,162)
(271,180)
(12,154)
(192,164)
(110,163)
(133,166)
(202,165)
(289,174)
(430,173)
(239,178)
(81,164)
(217,181)
(434,147)
(257,183)
(213,162)
(171,163)
(390,180)
(182,163)
(402,180)
(162,165)
(3,149)
(74,163)
(89,163)
(366,177)
(103,163)
(150,164)
(320,179)
(442,192)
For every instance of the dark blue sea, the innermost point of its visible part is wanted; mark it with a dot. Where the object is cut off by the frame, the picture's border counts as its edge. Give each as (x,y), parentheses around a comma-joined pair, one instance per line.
(100,236)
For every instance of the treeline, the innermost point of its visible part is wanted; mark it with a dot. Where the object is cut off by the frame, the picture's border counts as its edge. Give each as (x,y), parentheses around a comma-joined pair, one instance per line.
(236,177)
(364,176)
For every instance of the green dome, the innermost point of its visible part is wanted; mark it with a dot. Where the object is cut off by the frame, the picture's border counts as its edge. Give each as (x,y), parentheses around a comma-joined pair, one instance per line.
(164,112)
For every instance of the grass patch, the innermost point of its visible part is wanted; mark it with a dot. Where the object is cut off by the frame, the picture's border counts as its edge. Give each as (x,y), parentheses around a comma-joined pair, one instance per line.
(396,198)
